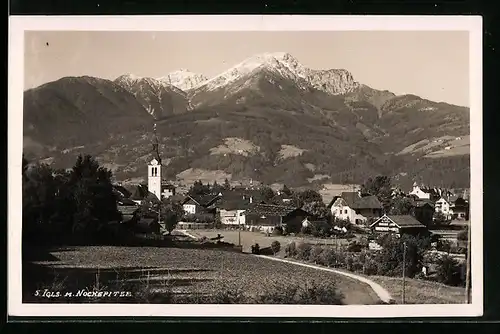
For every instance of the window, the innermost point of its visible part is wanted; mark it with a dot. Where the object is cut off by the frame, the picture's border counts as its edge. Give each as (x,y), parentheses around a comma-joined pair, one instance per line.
(345,211)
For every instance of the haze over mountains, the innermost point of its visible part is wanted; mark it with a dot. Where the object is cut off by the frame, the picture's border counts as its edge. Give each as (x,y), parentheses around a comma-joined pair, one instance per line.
(268,118)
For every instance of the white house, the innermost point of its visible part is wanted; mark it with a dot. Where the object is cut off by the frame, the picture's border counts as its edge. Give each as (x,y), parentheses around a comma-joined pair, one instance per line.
(355,208)
(443,206)
(234,217)
(419,192)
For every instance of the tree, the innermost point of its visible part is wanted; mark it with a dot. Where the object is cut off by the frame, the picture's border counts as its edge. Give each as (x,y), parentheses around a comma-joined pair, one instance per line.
(286,191)
(449,271)
(93,197)
(381,187)
(227,185)
(401,206)
(216,188)
(39,191)
(199,189)
(390,258)
(317,209)
(171,214)
(267,194)
(440,218)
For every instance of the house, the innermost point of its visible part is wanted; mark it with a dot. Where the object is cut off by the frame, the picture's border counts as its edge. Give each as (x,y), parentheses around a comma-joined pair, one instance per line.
(167,189)
(231,210)
(319,223)
(443,206)
(398,224)
(128,209)
(266,217)
(459,209)
(200,204)
(355,208)
(420,193)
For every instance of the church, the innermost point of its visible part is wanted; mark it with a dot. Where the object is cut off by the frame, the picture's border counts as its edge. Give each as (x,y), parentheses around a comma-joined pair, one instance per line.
(156,187)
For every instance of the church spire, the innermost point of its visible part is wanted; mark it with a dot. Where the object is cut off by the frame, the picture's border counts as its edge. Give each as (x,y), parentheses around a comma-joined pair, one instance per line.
(156,144)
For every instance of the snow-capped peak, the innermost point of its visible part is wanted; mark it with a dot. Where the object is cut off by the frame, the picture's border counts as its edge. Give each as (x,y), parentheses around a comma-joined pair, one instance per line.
(280,62)
(287,66)
(183,79)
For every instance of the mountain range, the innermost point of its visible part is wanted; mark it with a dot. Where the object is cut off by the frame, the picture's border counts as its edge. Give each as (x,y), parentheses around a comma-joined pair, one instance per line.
(268,119)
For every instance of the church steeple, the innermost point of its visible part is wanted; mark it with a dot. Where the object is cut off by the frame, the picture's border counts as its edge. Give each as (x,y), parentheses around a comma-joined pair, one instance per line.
(154,168)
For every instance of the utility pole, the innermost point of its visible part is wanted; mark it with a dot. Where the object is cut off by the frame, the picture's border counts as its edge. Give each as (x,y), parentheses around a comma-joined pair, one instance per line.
(468,264)
(239,235)
(404,273)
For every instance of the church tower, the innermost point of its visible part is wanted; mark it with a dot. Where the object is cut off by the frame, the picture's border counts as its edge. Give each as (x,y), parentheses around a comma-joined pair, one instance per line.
(154,178)
(154,169)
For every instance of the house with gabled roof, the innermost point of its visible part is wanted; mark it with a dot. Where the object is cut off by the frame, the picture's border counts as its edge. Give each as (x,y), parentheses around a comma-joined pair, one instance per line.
(200,204)
(355,208)
(398,225)
(267,217)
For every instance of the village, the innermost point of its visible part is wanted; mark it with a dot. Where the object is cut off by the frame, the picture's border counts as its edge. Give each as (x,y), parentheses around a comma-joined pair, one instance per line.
(429,211)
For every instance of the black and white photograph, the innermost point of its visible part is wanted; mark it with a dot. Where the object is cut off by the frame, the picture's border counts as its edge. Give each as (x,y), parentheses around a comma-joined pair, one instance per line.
(172,166)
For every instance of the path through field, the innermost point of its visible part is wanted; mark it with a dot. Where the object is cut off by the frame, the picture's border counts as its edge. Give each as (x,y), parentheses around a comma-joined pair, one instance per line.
(191,270)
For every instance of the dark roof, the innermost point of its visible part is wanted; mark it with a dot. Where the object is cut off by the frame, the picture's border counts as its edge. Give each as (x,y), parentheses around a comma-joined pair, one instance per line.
(139,192)
(166,185)
(271,210)
(127,218)
(204,200)
(122,191)
(422,202)
(127,209)
(126,202)
(234,204)
(355,201)
(403,221)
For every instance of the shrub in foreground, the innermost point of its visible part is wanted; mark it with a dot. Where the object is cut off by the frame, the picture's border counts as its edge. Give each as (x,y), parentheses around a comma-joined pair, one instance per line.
(328,257)
(303,251)
(315,255)
(275,246)
(291,250)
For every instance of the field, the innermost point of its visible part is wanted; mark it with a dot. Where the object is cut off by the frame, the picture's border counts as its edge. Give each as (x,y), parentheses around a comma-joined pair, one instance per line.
(421,292)
(417,291)
(186,271)
(250,238)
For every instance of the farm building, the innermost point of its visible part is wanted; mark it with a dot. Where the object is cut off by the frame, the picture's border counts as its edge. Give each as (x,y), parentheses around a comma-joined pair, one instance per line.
(423,211)
(398,224)
(459,209)
(355,208)
(266,217)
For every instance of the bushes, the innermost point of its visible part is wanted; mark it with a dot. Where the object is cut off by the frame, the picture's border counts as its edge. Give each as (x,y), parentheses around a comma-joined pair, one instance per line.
(449,271)
(309,292)
(290,250)
(327,257)
(463,235)
(354,247)
(303,251)
(316,254)
(275,246)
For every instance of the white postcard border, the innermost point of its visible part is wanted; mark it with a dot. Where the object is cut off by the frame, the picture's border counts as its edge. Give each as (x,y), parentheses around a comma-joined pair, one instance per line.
(19,24)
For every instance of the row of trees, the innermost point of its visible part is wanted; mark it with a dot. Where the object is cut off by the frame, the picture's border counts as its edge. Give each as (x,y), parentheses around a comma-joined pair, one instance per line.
(76,205)
(67,204)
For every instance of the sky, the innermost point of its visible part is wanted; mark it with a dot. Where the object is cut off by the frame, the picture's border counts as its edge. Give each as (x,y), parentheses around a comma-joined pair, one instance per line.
(430,64)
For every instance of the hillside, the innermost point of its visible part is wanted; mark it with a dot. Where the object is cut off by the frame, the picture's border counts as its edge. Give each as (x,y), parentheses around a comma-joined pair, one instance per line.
(268,119)
(157,97)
